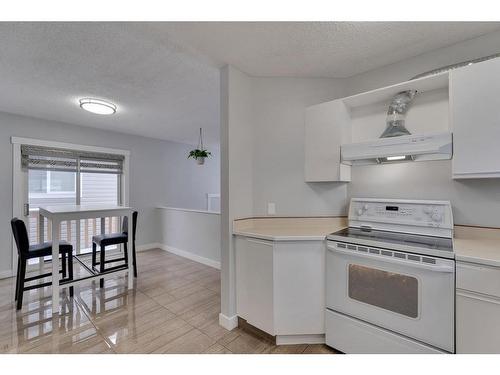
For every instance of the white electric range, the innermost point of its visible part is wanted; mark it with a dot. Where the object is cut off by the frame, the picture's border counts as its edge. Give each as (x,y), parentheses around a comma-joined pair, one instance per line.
(391,278)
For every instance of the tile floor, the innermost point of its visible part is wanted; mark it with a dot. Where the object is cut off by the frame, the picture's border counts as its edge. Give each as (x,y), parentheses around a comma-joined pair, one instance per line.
(173,309)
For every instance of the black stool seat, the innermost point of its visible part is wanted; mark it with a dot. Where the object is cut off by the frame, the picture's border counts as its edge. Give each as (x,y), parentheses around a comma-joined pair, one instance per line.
(110,239)
(45,249)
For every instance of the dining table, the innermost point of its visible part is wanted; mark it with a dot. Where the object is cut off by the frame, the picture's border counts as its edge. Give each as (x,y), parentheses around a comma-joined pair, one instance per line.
(58,214)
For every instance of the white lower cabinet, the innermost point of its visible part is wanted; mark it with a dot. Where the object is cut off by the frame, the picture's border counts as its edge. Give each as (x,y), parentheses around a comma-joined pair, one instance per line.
(280,286)
(477,309)
(254,282)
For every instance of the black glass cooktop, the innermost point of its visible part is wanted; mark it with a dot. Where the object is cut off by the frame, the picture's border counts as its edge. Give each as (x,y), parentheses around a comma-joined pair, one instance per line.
(403,239)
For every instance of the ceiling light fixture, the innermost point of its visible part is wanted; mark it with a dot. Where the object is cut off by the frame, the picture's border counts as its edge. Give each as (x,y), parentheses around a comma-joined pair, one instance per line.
(97,106)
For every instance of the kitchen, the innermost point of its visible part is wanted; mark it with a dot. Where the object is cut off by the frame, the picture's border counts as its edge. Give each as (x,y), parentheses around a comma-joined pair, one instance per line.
(401,202)
(317,187)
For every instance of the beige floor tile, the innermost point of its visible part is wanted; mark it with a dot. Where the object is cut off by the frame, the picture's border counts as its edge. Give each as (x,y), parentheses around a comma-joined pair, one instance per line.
(319,349)
(154,339)
(287,349)
(128,325)
(214,330)
(190,302)
(217,349)
(192,342)
(241,342)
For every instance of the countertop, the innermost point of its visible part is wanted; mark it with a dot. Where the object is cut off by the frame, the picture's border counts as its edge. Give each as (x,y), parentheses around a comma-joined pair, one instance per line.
(289,228)
(477,245)
(472,244)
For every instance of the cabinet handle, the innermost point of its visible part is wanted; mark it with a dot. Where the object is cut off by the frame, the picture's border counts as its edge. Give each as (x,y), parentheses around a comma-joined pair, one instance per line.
(478,296)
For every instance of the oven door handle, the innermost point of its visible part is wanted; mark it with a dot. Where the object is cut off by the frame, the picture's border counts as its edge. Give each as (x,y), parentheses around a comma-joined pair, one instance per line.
(383,258)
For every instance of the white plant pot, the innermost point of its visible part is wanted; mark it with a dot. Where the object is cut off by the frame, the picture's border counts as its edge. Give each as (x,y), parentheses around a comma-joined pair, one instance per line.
(200,161)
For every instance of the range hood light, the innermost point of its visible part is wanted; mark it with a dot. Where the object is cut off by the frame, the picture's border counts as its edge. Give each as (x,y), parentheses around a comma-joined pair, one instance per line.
(394,158)
(405,148)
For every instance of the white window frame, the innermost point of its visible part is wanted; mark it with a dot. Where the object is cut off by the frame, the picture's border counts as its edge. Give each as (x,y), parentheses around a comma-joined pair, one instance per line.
(19,190)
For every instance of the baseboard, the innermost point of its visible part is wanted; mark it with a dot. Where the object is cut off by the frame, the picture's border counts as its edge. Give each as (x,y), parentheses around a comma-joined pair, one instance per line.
(300,339)
(148,246)
(228,323)
(6,274)
(191,256)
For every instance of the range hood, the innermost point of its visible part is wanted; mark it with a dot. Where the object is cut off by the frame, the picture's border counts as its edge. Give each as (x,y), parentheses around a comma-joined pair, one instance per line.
(437,146)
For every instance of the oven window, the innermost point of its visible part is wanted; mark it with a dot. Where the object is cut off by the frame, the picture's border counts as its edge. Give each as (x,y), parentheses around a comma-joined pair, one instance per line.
(391,291)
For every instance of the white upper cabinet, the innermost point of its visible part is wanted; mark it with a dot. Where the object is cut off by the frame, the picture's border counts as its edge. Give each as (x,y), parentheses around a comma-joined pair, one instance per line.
(475,119)
(327,126)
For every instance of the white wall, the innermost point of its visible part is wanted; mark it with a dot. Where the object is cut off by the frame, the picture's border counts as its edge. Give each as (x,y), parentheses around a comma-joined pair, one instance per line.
(160,173)
(191,233)
(278,147)
(475,202)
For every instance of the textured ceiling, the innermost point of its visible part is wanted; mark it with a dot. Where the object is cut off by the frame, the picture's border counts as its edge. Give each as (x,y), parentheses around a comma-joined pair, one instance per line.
(161,90)
(319,49)
(164,76)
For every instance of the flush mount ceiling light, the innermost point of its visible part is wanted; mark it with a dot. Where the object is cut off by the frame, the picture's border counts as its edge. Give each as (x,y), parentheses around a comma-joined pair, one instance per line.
(97,106)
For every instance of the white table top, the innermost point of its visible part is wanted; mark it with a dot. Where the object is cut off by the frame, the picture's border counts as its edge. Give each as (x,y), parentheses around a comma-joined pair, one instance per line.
(80,208)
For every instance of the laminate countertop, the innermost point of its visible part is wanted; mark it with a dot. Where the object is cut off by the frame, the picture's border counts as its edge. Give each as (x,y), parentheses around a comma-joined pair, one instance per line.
(477,245)
(472,244)
(289,228)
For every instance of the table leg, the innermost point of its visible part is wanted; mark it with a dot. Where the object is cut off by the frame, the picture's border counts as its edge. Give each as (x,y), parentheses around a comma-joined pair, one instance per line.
(129,251)
(103,225)
(40,240)
(55,266)
(40,228)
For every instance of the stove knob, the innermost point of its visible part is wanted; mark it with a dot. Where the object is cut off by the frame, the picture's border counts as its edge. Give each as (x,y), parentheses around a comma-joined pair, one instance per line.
(427,210)
(360,212)
(436,217)
(365,207)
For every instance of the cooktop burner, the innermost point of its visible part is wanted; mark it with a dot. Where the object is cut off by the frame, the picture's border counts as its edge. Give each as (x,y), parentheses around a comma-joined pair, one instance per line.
(428,242)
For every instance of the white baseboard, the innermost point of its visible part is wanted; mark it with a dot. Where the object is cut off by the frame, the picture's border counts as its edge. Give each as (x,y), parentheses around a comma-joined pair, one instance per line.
(6,274)
(300,339)
(191,256)
(228,323)
(149,246)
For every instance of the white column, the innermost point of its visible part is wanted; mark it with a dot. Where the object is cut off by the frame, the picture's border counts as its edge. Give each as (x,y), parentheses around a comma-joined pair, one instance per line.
(55,265)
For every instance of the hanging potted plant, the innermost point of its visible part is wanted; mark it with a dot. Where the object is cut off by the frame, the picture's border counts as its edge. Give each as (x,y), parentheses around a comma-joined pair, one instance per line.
(199,154)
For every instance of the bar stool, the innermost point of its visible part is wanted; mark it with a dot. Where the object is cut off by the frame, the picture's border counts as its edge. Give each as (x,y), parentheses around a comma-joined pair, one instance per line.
(104,240)
(26,251)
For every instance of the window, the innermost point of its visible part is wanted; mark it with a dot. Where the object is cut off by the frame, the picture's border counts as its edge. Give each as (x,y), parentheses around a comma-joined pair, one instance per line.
(52,182)
(59,176)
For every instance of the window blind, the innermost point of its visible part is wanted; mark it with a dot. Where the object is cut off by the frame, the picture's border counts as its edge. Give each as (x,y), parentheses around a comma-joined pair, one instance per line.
(58,159)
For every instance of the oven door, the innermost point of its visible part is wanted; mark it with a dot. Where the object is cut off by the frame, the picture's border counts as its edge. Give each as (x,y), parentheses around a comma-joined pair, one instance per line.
(406,293)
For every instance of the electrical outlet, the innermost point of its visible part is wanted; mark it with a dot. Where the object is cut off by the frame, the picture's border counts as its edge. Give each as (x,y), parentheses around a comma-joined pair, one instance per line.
(271,208)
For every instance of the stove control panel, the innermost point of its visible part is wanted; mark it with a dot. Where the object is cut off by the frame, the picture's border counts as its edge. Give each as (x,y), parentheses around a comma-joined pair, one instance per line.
(396,214)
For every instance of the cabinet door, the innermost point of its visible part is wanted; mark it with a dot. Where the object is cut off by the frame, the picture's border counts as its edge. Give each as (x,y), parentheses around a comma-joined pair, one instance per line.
(326,128)
(254,282)
(475,120)
(478,323)
(299,279)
